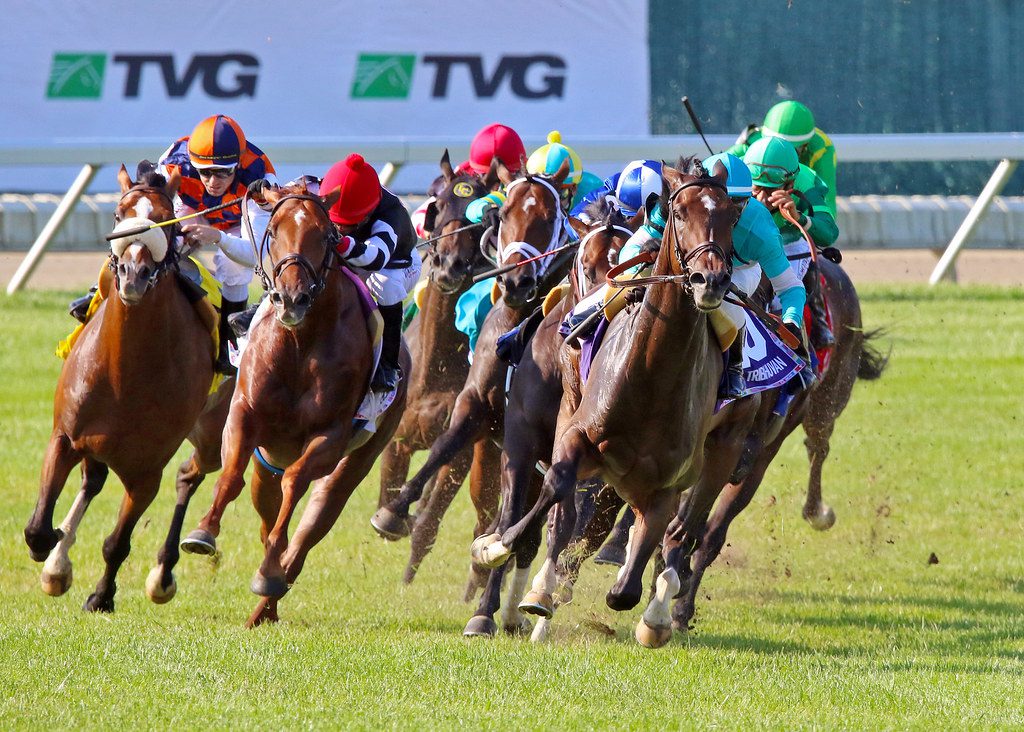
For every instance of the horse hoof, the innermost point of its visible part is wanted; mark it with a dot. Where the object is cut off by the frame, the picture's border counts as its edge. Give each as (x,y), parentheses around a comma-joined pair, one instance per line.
(488,551)
(55,585)
(822,520)
(155,589)
(268,586)
(97,605)
(611,554)
(523,627)
(621,601)
(42,549)
(480,626)
(199,542)
(390,525)
(537,603)
(655,637)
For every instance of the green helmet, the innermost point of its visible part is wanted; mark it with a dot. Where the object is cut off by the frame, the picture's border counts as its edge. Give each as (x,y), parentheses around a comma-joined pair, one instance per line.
(772,162)
(791,121)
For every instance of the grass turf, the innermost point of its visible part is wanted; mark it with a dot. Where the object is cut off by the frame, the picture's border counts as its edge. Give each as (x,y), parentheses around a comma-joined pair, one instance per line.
(848,628)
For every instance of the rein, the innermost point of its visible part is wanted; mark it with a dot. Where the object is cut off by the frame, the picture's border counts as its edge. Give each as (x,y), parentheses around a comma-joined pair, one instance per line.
(559,232)
(317,276)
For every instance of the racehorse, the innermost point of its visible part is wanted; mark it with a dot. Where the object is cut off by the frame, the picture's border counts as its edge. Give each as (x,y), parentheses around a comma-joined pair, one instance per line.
(642,420)
(817,409)
(134,385)
(302,377)
(531,218)
(440,366)
(529,425)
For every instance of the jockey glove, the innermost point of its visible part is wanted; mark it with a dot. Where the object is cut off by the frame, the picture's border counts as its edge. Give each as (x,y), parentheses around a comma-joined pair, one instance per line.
(345,245)
(257,187)
(491,219)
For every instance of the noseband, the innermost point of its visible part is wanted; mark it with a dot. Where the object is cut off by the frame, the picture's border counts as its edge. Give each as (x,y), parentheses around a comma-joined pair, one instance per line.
(317,276)
(170,260)
(708,245)
(559,233)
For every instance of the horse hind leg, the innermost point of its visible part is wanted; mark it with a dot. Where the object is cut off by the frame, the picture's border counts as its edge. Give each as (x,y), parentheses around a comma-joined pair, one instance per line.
(56,575)
(394,469)
(652,519)
(139,493)
(485,494)
(59,461)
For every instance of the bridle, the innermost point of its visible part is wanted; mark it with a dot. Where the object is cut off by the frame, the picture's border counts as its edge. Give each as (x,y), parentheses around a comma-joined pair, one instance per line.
(579,273)
(170,260)
(316,275)
(560,231)
(708,246)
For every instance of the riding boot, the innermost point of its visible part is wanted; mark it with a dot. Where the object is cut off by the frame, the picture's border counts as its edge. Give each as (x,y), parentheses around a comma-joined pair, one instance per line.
(821,334)
(227,309)
(734,386)
(241,321)
(388,373)
(80,305)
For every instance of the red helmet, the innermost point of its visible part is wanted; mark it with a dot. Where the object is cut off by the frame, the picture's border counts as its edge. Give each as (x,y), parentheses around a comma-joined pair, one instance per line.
(216,142)
(360,189)
(496,141)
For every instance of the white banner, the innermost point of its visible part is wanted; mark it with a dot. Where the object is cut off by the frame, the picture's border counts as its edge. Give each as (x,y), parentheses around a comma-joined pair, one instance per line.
(114,70)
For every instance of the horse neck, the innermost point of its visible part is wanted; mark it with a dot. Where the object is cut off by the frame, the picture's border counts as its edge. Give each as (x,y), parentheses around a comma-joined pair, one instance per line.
(437,334)
(146,329)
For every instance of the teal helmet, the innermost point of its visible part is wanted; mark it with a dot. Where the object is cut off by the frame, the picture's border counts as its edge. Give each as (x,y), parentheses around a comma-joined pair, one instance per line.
(773,162)
(789,120)
(738,183)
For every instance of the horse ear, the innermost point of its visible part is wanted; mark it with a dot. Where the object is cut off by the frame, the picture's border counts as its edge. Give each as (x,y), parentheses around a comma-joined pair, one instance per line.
(563,172)
(504,174)
(491,178)
(720,172)
(173,182)
(670,180)
(123,179)
(273,195)
(446,167)
(578,226)
(331,198)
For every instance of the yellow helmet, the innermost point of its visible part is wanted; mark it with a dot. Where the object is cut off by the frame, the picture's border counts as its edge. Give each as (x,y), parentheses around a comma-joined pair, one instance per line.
(547,159)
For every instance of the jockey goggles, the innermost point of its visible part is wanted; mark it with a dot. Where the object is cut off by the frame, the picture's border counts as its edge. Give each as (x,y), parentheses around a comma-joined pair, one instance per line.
(775,174)
(222,173)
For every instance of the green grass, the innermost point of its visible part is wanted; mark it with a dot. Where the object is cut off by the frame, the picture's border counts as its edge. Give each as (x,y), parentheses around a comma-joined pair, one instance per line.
(849,628)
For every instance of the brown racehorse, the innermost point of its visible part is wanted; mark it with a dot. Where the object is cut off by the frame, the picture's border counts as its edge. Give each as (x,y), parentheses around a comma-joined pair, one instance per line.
(134,385)
(440,366)
(529,425)
(646,414)
(816,409)
(529,216)
(302,377)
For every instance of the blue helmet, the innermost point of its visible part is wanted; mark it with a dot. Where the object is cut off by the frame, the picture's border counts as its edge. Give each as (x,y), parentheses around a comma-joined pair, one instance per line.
(638,180)
(740,184)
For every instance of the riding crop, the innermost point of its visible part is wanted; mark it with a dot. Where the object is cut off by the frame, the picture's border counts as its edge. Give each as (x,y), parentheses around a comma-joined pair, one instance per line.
(453,232)
(509,267)
(140,229)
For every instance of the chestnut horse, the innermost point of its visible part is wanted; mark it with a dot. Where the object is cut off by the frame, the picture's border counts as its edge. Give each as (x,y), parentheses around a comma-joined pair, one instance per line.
(302,377)
(646,414)
(531,218)
(439,363)
(134,385)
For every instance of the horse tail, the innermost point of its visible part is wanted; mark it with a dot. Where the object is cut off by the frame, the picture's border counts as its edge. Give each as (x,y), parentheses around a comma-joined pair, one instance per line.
(872,361)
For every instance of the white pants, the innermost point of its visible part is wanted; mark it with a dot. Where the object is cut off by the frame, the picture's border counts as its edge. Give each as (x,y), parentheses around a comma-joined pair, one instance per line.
(746,277)
(234,278)
(391,286)
(799,266)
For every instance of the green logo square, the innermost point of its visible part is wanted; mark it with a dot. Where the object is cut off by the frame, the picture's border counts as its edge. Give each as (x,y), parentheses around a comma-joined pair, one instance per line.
(383,76)
(76,76)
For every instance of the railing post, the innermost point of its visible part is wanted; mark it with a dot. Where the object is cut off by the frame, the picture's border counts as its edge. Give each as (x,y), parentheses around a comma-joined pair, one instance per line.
(388,172)
(60,215)
(992,189)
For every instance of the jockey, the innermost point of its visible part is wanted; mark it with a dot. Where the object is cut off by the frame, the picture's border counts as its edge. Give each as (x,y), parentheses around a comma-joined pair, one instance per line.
(777,175)
(794,123)
(377,237)
(216,164)
(493,141)
(628,189)
(756,247)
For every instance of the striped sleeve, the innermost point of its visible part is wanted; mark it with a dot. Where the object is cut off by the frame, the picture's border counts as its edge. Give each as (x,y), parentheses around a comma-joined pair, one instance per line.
(375,252)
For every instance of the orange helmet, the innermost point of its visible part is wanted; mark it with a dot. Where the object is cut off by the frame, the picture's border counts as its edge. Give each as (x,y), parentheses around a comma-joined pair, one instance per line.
(216,142)
(360,189)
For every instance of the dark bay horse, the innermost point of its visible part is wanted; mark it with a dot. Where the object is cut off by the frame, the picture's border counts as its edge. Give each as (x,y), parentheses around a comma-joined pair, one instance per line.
(644,417)
(134,385)
(302,377)
(439,363)
(530,219)
(529,424)
(816,410)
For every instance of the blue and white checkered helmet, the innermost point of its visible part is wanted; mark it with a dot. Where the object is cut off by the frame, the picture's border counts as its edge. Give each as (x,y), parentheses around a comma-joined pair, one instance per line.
(638,180)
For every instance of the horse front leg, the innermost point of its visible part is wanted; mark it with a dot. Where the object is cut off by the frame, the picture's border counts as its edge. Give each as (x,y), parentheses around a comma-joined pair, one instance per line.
(59,461)
(394,468)
(139,493)
(653,516)
(236,452)
(485,494)
(432,510)
(56,576)
(160,584)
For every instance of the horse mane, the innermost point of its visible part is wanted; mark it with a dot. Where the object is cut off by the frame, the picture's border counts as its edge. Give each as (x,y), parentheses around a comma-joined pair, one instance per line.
(605,213)
(146,175)
(691,165)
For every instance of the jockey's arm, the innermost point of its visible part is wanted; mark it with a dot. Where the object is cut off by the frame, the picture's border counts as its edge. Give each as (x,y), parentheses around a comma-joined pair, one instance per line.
(821,225)
(374,252)
(787,285)
(475,211)
(238,248)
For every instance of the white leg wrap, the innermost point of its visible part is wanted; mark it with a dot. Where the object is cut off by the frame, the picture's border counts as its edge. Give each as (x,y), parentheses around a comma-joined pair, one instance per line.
(659,611)
(59,561)
(510,615)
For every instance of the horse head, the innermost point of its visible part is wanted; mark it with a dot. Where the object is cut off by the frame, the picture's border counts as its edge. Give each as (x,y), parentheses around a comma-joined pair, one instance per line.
(299,234)
(532,222)
(137,260)
(455,253)
(603,230)
(699,218)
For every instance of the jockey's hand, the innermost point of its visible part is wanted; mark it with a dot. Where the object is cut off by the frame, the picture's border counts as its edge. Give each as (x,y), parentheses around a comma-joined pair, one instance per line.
(344,246)
(782,201)
(200,235)
(256,189)
(797,331)
(491,218)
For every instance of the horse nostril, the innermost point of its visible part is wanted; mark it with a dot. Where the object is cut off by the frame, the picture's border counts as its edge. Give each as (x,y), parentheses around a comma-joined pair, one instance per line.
(144,273)
(275,297)
(303,300)
(697,279)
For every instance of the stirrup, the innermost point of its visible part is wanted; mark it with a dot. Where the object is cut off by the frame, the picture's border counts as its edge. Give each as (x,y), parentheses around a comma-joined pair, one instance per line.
(385,378)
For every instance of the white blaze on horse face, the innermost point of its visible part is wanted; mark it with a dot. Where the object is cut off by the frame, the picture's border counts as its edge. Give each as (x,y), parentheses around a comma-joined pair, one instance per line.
(529,203)
(143,208)
(709,202)
(300,216)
